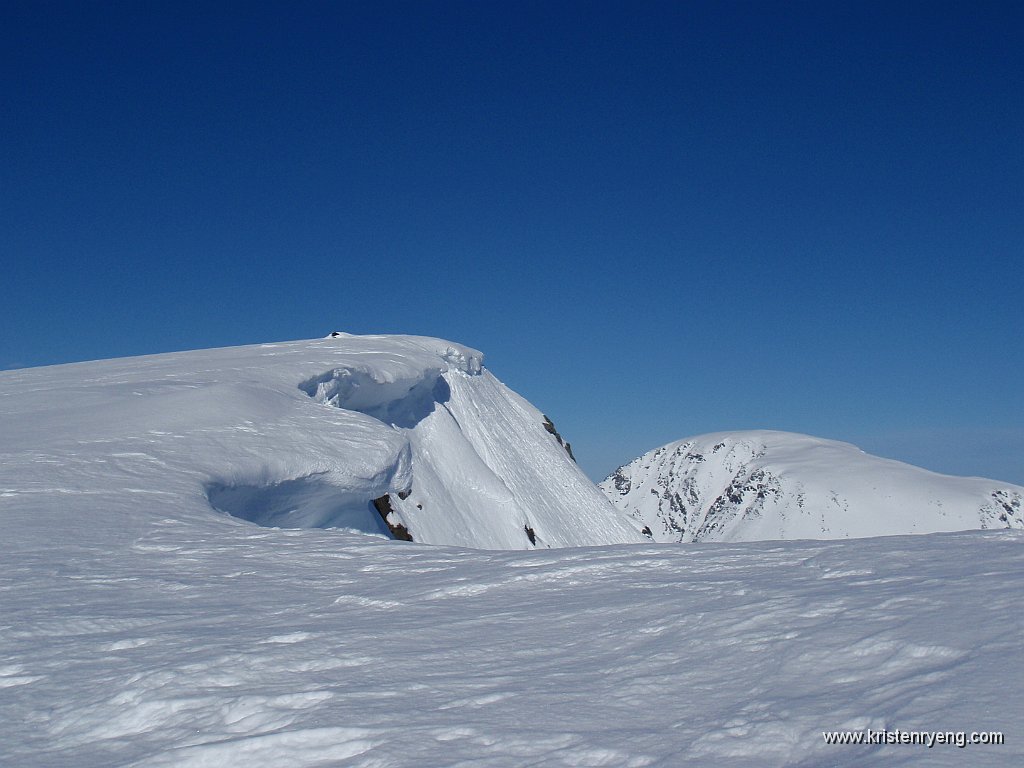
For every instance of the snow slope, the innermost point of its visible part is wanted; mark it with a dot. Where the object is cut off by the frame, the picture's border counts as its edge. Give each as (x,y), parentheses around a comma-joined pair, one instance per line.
(758,485)
(299,434)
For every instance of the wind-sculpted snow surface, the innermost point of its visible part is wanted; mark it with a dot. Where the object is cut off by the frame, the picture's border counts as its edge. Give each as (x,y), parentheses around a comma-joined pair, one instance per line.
(749,486)
(179,645)
(292,435)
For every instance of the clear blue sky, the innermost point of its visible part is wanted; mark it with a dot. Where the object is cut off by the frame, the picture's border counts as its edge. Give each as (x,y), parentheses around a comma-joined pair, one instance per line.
(656,219)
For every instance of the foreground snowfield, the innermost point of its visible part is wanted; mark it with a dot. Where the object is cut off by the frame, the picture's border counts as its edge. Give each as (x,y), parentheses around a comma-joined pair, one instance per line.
(140,625)
(189,644)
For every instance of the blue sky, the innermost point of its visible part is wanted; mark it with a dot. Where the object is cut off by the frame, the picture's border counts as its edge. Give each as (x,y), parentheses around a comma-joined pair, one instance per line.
(656,219)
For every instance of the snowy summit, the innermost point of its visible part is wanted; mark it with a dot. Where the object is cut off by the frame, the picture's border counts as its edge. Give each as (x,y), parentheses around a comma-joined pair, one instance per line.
(397,436)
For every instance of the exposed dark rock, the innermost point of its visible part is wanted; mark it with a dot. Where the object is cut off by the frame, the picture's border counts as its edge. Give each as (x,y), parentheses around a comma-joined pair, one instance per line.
(620,481)
(1008,509)
(531,535)
(549,425)
(646,531)
(387,514)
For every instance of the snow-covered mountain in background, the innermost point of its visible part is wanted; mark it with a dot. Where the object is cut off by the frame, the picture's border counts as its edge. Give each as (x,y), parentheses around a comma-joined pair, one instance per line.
(759,485)
(399,436)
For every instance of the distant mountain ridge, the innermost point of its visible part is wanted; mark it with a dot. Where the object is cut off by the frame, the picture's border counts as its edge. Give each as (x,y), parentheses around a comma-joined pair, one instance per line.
(762,485)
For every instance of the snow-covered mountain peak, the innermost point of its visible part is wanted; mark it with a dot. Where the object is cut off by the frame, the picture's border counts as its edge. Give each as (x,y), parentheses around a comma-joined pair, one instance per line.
(742,486)
(382,434)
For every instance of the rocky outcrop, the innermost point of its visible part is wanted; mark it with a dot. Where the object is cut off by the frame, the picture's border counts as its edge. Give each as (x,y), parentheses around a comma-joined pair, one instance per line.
(398,530)
(550,427)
